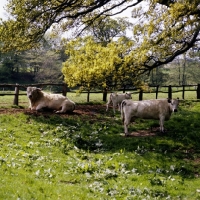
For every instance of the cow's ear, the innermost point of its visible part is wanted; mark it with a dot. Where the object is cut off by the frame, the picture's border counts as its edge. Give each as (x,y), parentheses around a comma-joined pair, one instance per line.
(38,89)
(169,100)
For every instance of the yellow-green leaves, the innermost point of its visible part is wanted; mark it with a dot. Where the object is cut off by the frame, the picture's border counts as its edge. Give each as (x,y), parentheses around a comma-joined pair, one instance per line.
(165,31)
(92,65)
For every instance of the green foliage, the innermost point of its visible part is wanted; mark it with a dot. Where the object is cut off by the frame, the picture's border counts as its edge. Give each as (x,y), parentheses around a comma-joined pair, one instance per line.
(38,65)
(164,29)
(104,30)
(91,64)
(53,157)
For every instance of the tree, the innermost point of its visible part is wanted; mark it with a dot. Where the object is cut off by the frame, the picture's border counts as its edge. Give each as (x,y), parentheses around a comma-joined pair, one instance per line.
(172,26)
(49,69)
(158,76)
(31,19)
(41,65)
(182,71)
(92,64)
(167,32)
(104,30)
(10,66)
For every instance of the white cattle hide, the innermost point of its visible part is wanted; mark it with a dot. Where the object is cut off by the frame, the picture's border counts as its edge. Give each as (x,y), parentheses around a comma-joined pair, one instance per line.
(160,109)
(40,100)
(116,99)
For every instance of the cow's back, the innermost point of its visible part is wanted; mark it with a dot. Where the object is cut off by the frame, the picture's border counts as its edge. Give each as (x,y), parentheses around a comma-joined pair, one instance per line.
(147,109)
(53,101)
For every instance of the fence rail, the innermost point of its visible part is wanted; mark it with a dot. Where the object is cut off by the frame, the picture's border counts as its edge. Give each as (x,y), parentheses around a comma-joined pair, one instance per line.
(64,89)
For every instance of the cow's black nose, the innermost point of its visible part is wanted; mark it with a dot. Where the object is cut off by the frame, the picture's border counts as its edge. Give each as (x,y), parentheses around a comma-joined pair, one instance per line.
(30,96)
(175,110)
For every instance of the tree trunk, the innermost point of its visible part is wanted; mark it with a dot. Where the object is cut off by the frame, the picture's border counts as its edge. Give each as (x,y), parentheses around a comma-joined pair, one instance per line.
(105,94)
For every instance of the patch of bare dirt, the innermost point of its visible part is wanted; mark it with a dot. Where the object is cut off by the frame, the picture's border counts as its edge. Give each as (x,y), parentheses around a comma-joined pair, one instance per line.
(142,133)
(11,110)
(89,110)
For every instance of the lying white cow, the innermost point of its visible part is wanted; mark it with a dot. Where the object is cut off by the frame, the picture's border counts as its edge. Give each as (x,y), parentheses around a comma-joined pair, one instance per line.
(116,99)
(39,100)
(148,109)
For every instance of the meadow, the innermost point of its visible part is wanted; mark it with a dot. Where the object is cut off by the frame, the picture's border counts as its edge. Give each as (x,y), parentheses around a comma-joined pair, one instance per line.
(95,98)
(86,156)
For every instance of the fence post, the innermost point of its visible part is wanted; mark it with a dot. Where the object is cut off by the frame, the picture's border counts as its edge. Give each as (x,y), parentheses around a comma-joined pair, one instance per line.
(157,91)
(198,91)
(141,95)
(64,90)
(169,91)
(105,94)
(16,97)
(183,95)
(88,96)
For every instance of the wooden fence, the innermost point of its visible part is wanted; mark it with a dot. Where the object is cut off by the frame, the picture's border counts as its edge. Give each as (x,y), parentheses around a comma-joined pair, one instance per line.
(63,89)
(17,88)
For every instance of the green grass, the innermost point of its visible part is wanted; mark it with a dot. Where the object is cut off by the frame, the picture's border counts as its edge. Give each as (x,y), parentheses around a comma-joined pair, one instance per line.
(79,157)
(51,157)
(7,101)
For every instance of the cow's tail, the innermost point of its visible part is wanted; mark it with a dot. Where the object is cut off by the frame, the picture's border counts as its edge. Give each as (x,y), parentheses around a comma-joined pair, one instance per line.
(122,109)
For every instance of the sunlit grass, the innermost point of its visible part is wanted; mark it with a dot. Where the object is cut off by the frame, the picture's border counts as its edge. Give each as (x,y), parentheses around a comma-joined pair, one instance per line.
(51,157)
(7,100)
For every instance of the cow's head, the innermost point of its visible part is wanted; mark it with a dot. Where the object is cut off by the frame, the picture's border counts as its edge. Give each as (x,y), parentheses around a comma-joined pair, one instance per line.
(128,95)
(32,92)
(174,103)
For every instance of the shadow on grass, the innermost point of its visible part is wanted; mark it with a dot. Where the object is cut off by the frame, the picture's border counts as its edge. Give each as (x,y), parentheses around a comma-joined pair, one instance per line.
(96,131)
(94,123)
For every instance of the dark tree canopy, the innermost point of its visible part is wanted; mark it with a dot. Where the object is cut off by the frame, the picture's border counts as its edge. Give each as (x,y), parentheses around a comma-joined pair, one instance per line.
(171,27)
(32,18)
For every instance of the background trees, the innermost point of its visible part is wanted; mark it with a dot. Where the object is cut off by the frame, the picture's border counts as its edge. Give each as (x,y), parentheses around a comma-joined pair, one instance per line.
(99,60)
(91,64)
(165,29)
(36,65)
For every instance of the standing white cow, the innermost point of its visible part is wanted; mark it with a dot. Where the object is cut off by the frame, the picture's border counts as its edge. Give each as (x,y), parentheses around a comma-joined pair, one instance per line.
(148,109)
(39,100)
(116,99)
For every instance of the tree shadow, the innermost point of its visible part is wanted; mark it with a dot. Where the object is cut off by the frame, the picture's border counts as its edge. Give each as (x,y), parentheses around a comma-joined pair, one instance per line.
(94,130)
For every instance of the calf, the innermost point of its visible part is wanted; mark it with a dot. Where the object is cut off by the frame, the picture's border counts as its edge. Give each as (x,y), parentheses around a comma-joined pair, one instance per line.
(39,100)
(116,99)
(148,109)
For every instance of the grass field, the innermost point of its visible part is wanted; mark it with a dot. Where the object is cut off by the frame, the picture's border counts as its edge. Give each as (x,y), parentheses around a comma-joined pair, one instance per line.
(86,157)
(6,101)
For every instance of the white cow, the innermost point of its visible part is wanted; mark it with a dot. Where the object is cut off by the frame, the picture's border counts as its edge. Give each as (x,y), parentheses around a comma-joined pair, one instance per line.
(39,100)
(116,99)
(148,109)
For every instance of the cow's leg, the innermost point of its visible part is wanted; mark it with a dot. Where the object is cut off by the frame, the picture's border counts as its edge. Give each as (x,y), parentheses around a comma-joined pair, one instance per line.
(114,105)
(39,107)
(114,110)
(63,108)
(126,129)
(107,104)
(126,123)
(162,119)
(107,107)
(67,106)
(60,111)
(119,107)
